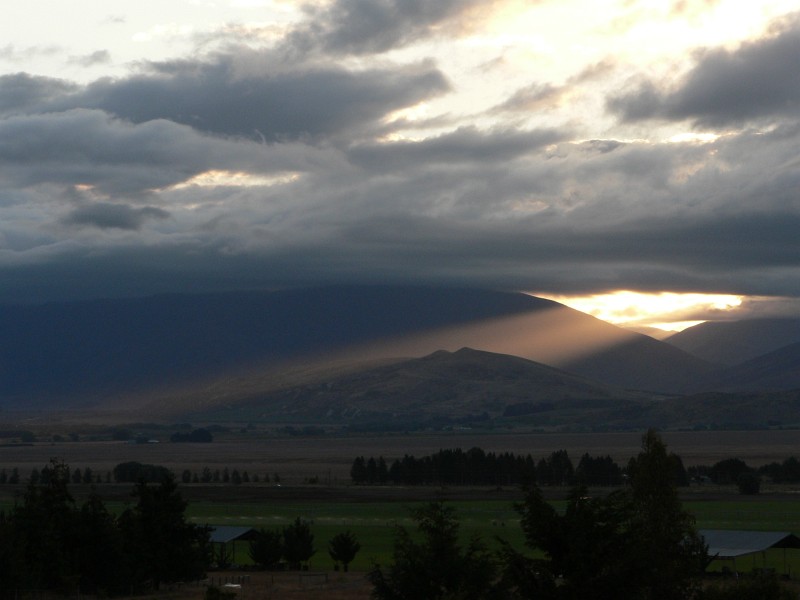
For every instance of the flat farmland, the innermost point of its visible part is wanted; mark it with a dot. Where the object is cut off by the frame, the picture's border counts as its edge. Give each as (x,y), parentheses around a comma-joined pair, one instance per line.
(329,457)
(332,504)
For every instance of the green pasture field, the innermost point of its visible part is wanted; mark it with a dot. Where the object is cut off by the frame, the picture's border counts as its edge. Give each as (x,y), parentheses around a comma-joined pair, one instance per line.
(374,524)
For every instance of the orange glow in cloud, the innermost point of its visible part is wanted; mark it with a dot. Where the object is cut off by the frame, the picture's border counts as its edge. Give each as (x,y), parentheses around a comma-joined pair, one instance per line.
(669,311)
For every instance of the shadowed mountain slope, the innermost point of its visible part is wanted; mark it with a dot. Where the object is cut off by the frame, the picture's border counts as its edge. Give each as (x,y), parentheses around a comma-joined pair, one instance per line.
(731,343)
(89,353)
(645,364)
(89,349)
(774,371)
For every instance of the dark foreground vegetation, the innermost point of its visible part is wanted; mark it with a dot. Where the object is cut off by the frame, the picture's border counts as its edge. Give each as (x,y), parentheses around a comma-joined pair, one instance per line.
(636,542)
(49,543)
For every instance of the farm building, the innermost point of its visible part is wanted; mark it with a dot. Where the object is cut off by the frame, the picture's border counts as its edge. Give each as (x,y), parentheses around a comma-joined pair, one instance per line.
(223,542)
(728,545)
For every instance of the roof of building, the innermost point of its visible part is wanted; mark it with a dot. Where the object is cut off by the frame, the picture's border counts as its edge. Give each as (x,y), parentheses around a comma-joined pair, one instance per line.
(225,534)
(732,543)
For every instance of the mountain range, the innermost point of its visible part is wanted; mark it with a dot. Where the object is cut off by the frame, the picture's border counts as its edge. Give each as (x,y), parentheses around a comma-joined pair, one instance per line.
(410,352)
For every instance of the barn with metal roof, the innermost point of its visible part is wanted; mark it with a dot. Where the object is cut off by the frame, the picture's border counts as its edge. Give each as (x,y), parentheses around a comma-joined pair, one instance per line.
(223,541)
(733,544)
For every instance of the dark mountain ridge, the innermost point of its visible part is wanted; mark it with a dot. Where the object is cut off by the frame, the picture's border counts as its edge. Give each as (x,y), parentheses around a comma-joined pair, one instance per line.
(89,353)
(733,342)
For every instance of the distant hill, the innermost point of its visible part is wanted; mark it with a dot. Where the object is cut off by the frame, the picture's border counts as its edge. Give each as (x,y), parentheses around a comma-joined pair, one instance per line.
(721,410)
(774,371)
(466,384)
(643,363)
(469,388)
(97,353)
(731,343)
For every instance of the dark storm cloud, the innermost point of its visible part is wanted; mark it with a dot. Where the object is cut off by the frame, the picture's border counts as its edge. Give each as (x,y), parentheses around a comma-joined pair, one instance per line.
(222,97)
(115,157)
(756,82)
(465,145)
(241,93)
(25,93)
(374,26)
(515,210)
(104,215)
(306,181)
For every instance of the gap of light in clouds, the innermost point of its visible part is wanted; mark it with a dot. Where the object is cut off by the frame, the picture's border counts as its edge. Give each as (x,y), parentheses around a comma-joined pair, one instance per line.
(669,311)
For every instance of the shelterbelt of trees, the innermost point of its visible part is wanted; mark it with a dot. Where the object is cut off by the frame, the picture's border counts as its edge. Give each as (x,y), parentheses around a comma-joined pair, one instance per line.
(476,467)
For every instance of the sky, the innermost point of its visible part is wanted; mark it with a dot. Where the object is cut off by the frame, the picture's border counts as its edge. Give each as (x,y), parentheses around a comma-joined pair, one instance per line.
(637,158)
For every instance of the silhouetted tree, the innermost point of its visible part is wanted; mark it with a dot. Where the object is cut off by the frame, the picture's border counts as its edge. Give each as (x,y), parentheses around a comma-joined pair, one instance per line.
(727,471)
(663,531)
(343,548)
(635,543)
(433,565)
(601,470)
(266,550)
(748,483)
(98,546)
(162,545)
(298,543)
(44,527)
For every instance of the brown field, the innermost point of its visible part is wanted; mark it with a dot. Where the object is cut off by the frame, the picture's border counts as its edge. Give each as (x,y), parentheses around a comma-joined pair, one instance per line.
(329,458)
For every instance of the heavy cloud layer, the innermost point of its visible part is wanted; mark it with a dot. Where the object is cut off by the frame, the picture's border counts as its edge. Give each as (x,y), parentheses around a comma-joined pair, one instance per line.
(289,165)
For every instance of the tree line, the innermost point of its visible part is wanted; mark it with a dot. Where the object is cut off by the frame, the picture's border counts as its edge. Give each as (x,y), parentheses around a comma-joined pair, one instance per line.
(133,471)
(476,467)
